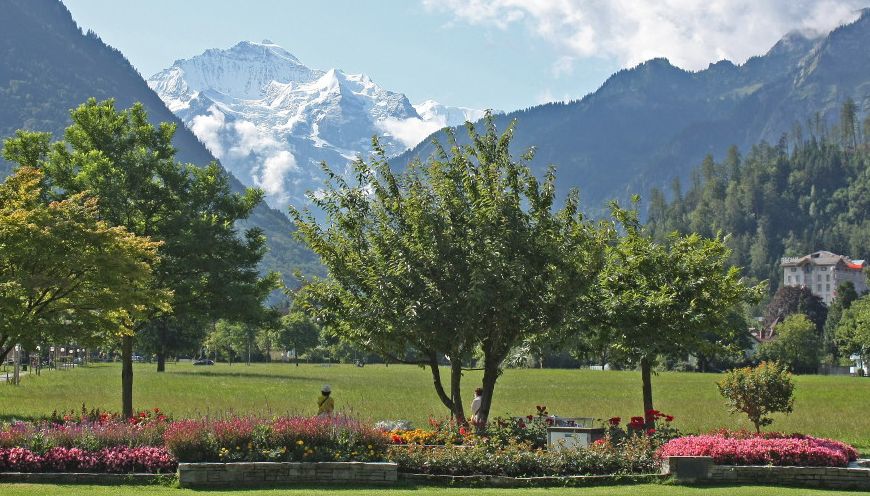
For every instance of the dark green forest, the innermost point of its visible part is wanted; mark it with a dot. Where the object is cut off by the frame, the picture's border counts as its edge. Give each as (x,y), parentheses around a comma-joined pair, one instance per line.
(809,191)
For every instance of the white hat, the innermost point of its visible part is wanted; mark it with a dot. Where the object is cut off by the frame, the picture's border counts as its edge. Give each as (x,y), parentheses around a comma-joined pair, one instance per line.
(326,389)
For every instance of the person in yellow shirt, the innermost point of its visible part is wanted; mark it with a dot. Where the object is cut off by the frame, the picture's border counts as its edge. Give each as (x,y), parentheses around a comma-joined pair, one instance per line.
(325,404)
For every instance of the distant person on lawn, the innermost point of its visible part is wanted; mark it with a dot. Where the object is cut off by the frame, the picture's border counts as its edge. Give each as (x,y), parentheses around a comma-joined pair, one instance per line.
(325,404)
(475,405)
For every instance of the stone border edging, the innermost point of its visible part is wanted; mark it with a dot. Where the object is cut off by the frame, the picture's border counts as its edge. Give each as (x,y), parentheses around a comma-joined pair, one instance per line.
(81,478)
(271,473)
(702,470)
(504,481)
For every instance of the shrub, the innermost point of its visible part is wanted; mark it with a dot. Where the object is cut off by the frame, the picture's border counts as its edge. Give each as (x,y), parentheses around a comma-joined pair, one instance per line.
(759,391)
(771,449)
(520,460)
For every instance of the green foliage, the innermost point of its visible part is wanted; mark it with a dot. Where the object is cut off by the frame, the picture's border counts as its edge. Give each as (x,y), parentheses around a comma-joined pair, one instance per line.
(796,344)
(462,253)
(67,274)
(792,300)
(846,294)
(297,332)
(853,331)
(759,391)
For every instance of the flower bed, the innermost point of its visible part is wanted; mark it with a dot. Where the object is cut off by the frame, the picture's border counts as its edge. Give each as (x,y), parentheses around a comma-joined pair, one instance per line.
(768,449)
(118,460)
(283,439)
(635,456)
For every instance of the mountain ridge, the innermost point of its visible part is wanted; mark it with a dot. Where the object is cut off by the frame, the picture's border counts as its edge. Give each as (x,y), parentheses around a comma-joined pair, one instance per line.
(651,123)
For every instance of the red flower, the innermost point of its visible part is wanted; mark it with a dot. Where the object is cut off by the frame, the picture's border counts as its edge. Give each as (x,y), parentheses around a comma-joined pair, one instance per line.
(529,418)
(521,424)
(650,432)
(669,418)
(614,421)
(462,431)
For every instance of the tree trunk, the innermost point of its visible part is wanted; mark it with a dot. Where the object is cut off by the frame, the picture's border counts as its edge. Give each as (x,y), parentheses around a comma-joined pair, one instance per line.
(646,379)
(127,376)
(161,346)
(456,391)
(296,355)
(439,387)
(490,375)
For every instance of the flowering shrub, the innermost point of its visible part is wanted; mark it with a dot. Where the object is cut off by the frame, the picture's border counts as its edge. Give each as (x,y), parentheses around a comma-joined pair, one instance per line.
(279,439)
(663,431)
(521,460)
(769,449)
(120,460)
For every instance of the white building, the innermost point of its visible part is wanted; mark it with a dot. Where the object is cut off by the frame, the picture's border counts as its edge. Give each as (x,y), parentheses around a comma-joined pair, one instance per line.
(822,272)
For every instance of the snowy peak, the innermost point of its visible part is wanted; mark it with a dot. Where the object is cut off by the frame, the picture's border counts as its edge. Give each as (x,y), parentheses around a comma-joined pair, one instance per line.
(430,110)
(242,71)
(271,120)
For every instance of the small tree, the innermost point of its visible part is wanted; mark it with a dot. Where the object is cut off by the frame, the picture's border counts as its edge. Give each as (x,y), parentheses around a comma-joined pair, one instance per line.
(669,298)
(796,344)
(759,391)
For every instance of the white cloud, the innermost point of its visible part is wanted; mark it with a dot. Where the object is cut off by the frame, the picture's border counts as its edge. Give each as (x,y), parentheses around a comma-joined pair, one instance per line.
(690,33)
(412,130)
(250,139)
(274,172)
(208,127)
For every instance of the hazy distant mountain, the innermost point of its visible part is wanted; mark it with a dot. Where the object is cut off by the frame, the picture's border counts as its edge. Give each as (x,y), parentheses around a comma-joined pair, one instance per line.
(654,122)
(48,66)
(272,120)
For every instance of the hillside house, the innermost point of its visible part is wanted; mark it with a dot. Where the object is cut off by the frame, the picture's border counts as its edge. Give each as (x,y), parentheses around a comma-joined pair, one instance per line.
(822,272)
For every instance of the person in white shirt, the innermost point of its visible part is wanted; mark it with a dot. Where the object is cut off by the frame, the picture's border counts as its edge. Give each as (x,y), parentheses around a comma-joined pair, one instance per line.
(475,405)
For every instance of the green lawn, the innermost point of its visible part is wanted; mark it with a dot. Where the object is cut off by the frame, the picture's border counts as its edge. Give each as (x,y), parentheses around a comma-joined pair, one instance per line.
(825,406)
(638,490)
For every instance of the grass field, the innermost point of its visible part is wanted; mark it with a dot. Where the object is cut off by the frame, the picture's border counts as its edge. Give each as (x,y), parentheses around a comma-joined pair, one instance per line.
(827,406)
(638,490)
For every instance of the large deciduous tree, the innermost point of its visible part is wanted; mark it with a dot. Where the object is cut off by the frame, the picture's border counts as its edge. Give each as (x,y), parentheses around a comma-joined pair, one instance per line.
(673,297)
(463,252)
(129,165)
(64,273)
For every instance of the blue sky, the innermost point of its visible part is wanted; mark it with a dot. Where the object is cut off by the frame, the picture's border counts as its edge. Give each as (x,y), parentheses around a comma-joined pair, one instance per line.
(502,54)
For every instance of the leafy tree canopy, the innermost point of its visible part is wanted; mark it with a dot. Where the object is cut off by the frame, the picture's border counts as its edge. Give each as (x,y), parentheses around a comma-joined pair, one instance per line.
(65,273)
(463,252)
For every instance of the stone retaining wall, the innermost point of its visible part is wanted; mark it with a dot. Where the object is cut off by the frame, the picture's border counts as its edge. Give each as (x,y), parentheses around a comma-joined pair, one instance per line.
(265,473)
(553,481)
(701,469)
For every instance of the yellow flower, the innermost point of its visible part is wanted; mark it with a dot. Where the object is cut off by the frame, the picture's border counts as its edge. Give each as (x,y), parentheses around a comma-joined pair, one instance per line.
(300,442)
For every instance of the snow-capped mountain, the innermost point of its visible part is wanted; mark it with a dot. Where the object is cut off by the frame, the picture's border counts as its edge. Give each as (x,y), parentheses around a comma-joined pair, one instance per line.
(271,120)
